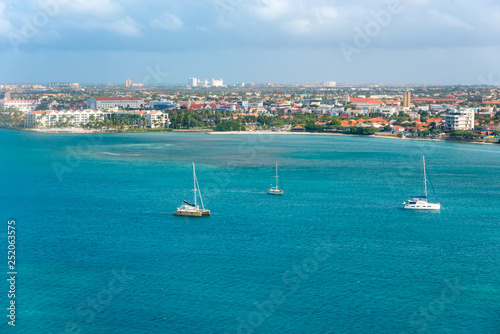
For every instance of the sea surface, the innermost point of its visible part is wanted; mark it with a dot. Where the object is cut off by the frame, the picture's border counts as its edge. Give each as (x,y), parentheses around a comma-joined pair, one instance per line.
(98,249)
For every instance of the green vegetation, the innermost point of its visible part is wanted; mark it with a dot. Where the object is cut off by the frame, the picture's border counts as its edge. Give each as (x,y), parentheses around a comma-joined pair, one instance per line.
(230,126)
(464,134)
(363,131)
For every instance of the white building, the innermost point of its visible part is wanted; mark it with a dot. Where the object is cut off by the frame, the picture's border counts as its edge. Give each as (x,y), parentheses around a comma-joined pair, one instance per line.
(193,82)
(49,118)
(22,105)
(217,83)
(386,111)
(104,103)
(78,118)
(459,120)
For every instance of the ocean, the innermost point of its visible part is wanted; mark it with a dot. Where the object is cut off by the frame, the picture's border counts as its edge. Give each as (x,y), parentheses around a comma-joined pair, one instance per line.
(98,249)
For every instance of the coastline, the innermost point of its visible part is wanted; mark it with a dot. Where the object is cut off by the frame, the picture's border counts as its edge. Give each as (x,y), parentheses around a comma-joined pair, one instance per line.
(261,132)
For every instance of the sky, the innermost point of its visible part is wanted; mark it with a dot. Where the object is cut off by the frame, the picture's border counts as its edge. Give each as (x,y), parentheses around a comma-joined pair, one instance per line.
(163,42)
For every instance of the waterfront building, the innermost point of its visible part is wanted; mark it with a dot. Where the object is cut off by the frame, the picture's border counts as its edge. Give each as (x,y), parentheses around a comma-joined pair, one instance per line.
(104,103)
(459,120)
(78,118)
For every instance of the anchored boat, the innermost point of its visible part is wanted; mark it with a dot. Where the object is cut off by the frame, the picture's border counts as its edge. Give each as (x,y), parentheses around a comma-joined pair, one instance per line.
(193,210)
(420,202)
(275,190)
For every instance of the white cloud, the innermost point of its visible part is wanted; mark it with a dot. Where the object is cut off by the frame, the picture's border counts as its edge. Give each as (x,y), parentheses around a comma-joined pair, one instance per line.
(126,26)
(91,7)
(300,26)
(272,9)
(5,25)
(168,22)
(448,21)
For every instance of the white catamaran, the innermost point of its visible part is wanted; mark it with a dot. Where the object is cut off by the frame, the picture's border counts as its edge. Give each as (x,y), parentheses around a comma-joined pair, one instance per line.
(193,210)
(275,190)
(420,202)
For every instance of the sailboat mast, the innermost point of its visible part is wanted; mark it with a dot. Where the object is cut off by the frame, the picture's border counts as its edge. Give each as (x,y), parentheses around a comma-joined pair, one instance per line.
(425,177)
(276,175)
(194,184)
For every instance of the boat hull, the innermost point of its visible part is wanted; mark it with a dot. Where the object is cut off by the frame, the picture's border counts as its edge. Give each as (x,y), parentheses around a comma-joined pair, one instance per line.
(274,192)
(188,213)
(427,206)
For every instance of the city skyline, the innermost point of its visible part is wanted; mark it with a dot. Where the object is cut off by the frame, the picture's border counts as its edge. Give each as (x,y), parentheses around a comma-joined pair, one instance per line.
(277,41)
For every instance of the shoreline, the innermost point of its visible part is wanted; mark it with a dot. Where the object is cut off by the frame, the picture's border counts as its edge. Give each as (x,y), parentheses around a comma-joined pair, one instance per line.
(261,132)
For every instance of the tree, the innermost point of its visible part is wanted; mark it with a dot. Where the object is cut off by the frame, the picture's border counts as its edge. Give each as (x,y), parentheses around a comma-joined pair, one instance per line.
(230,126)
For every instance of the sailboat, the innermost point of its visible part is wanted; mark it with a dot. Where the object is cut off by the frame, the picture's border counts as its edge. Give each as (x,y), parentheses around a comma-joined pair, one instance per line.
(193,210)
(420,202)
(275,190)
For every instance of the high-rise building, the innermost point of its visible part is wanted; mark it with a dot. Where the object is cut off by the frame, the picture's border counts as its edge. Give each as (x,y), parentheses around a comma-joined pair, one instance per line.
(193,82)
(217,83)
(406,99)
(128,83)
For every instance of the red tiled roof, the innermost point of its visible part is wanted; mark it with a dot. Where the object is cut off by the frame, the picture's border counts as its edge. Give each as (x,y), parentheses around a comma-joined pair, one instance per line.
(364,100)
(114,98)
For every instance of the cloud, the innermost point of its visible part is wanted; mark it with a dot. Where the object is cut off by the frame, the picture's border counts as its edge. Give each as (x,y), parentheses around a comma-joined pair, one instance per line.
(168,22)
(5,25)
(448,21)
(126,26)
(91,7)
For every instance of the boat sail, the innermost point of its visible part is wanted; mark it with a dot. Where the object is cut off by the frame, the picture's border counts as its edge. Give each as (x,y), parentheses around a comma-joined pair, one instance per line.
(275,190)
(420,202)
(193,210)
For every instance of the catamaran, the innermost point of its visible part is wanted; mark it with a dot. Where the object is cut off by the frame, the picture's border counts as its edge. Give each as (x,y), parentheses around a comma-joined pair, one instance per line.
(193,210)
(275,190)
(420,202)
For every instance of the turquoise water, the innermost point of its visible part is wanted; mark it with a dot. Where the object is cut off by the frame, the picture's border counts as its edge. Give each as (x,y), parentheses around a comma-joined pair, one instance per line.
(99,251)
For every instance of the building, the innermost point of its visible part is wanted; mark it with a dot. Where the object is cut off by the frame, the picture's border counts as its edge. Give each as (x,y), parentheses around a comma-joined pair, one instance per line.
(137,84)
(22,105)
(78,118)
(51,118)
(217,83)
(406,100)
(162,105)
(459,120)
(128,83)
(104,103)
(64,84)
(193,82)
(365,102)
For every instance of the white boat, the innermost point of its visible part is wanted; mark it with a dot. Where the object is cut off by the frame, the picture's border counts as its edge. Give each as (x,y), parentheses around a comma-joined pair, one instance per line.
(275,190)
(420,202)
(193,210)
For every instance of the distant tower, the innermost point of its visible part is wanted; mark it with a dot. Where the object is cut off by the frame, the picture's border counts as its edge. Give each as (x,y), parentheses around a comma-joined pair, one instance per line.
(193,82)
(128,83)
(406,99)
(189,104)
(347,98)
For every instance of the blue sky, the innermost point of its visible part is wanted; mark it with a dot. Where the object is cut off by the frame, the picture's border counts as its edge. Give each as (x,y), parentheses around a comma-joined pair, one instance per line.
(165,42)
